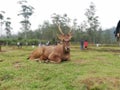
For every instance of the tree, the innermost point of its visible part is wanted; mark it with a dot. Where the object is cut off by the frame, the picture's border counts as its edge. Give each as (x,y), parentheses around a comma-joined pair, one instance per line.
(80,33)
(26,12)
(8,27)
(64,21)
(93,24)
(1,24)
(1,21)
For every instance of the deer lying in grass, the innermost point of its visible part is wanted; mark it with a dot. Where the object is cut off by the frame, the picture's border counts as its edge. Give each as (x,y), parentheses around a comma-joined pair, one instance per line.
(57,53)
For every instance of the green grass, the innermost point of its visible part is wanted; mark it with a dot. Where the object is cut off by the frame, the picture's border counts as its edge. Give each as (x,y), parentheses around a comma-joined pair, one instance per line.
(92,69)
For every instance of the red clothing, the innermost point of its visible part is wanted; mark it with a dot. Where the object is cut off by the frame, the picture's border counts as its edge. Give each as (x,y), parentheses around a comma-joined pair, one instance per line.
(85,44)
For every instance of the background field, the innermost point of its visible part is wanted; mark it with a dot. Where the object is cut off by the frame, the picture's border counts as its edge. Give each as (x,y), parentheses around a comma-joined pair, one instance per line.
(97,68)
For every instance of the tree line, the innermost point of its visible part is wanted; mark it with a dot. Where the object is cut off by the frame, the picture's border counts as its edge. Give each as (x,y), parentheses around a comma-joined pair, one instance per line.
(90,29)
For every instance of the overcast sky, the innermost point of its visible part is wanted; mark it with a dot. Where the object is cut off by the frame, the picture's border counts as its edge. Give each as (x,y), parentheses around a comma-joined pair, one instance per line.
(107,10)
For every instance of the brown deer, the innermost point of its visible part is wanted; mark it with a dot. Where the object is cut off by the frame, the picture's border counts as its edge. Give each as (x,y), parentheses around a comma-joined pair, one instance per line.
(57,53)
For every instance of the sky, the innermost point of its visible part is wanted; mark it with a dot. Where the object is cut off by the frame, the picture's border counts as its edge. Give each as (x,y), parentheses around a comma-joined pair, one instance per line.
(107,10)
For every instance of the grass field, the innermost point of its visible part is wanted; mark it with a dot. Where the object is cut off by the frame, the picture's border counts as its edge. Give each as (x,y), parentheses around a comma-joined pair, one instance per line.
(97,68)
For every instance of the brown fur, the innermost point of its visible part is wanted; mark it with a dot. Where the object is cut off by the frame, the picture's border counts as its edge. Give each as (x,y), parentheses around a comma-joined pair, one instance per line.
(41,53)
(57,54)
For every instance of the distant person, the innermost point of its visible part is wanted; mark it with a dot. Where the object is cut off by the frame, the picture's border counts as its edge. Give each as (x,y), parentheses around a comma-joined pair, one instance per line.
(39,44)
(81,44)
(48,43)
(19,44)
(117,31)
(33,45)
(85,44)
(97,44)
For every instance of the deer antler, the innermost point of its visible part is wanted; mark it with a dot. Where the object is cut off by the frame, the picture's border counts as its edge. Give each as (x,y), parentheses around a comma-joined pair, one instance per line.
(60,29)
(70,29)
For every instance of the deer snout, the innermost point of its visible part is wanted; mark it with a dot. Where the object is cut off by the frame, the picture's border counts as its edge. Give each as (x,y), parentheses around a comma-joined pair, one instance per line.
(67,48)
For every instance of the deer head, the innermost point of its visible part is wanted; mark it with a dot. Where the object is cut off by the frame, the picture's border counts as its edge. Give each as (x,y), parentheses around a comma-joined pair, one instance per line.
(65,38)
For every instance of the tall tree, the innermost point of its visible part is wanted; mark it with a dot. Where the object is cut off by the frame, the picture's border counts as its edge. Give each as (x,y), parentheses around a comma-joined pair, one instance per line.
(1,21)
(63,20)
(1,24)
(8,27)
(81,33)
(93,24)
(26,12)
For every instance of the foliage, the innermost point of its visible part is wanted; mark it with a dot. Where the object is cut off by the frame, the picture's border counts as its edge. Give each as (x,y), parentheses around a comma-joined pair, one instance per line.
(12,42)
(87,30)
(26,12)
(1,21)
(62,20)
(93,25)
(8,27)
(1,24)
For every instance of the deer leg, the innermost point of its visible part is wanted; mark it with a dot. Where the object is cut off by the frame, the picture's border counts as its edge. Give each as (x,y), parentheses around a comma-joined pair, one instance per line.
(43,59)
(57,60)
(54,59)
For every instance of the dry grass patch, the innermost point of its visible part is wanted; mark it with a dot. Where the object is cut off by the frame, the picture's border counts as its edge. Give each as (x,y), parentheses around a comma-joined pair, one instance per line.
(95,83)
